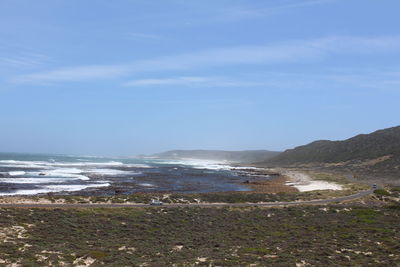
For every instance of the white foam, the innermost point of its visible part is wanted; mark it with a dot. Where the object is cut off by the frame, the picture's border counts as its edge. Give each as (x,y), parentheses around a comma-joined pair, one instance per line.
(74,187)
(143,166)
(63,171)
(111,172)
(44,164)
(213,167)
(198,163)
(246,168)
(24,164)
(16,173)
(32,180)
(87,164)
(54,188)
(146,184)
(67,170)
(72,173)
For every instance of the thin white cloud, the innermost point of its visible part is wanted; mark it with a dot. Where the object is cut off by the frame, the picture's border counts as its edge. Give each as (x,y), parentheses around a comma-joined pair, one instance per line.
(288,52)
(331,79)
(169,81)
(243,13)
(223,12)
(374,80)
(22,61)
(191,82)
(79,73)
(143,36)
(306,3)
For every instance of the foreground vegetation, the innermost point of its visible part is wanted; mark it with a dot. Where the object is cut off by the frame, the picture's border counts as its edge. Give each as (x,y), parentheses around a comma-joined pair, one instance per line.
(315,235)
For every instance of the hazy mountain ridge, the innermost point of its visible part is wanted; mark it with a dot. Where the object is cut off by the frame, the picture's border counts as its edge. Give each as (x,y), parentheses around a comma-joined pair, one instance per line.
(247,156)
(377,153)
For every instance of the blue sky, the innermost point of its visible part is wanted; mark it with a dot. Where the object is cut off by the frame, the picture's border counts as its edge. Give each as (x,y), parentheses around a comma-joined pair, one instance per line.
(126,77)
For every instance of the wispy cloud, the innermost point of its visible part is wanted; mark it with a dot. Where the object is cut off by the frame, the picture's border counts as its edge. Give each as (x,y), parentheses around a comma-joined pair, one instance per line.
(306,3)
(375,80)
(79,73)
(137,36)
(246,13)
(192,82)
(22,61)
(168,81)
(244,10)
(280,53)
(331,79)
(326,80)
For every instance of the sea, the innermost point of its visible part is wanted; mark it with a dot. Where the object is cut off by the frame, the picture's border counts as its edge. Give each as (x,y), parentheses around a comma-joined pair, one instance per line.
(35,174)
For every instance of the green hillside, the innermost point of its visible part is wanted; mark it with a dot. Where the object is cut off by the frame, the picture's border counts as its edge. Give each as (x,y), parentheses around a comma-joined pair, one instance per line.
(377,153)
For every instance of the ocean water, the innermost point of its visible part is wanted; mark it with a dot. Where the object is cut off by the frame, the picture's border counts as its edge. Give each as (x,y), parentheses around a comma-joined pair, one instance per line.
(29,174)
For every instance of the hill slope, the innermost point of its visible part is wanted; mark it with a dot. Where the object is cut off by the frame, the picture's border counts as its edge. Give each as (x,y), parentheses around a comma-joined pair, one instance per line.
(247,156)
(377,153)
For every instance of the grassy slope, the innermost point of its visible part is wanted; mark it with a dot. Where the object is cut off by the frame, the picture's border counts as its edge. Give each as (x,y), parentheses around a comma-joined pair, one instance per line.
(377,153)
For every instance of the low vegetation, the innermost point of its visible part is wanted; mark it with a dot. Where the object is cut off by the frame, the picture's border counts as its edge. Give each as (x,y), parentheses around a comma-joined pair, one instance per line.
(388,194)
(314,235)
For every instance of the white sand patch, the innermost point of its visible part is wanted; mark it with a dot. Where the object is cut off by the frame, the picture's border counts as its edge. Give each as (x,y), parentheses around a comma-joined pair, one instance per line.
(24,247)
(83,261)
(13,233)
(201,259)
(318,185)
(177,248)
(304,182)
(128,250)
(301,264)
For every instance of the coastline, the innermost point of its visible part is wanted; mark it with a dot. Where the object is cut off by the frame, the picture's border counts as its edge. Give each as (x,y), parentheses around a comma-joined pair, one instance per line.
(242,179)
(287,180)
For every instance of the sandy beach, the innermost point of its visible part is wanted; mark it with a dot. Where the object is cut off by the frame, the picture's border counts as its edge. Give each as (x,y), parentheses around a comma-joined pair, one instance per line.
(303,182)
(282,180)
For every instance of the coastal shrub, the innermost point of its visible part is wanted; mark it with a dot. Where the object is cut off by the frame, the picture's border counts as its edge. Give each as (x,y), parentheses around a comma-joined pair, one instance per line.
(381,192)
(365,215)
(97,254)
(394,206)
(262,251)
(227,236)
(395,189)
(117,200)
